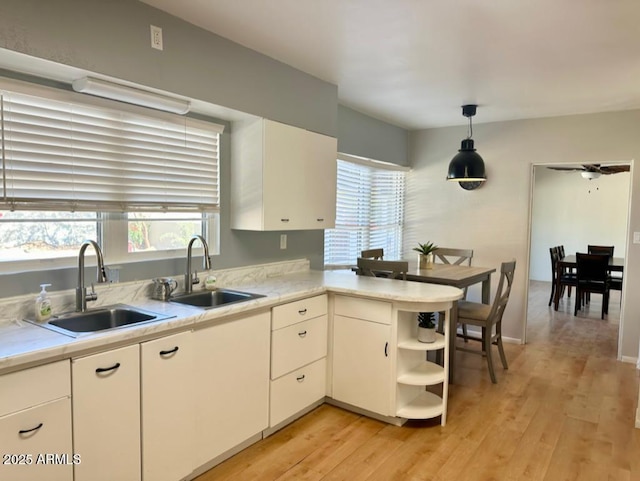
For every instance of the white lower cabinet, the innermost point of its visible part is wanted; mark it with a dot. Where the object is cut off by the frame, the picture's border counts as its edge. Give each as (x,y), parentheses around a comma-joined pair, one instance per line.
(35,424)
(168,416)
(297,390)
(106,415)
(298,357)
(362,368)
(232,384)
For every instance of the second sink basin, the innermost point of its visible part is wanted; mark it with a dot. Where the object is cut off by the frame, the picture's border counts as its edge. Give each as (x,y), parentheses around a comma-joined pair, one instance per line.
(101,319)
(211,299)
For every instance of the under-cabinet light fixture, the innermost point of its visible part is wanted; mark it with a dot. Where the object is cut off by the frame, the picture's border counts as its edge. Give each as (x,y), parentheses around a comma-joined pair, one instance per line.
(123,93)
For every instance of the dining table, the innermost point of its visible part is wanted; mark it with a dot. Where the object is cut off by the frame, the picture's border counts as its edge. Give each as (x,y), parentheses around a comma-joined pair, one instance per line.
(616,264)
(456,276)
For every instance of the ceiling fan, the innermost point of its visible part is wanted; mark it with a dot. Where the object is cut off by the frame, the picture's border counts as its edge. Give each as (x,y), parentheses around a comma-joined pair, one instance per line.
(593,171)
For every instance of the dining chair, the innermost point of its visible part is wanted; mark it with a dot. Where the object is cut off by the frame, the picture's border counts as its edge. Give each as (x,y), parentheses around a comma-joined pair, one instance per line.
(457,257)
(378,268)
(489,318)
(615,278)
(593,277)
(372,254)
(608,250)
(566,278)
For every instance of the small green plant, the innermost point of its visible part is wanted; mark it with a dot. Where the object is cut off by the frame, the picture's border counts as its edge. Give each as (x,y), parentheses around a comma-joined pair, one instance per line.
(427,320)
(426,248)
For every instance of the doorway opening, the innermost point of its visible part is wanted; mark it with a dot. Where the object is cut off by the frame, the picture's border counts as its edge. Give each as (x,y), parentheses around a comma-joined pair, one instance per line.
(573,207)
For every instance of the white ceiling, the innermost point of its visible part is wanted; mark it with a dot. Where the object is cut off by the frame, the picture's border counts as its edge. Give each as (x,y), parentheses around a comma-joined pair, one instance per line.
(415,62)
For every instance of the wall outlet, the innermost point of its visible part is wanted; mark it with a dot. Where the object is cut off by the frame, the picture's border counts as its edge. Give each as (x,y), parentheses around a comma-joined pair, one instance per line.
(283,241)
(156,37)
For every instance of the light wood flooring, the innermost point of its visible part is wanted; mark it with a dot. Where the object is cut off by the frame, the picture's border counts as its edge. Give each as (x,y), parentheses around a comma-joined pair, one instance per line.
(565,410)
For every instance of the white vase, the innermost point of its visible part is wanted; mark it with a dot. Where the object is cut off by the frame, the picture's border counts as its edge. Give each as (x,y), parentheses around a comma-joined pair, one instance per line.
(426,334)
(426,261)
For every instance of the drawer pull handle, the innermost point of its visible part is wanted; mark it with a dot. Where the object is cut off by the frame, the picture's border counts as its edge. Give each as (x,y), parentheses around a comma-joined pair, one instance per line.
(300,379)
(284,220)
(27,431)
(107,369)
(386,349)
(302,334)
(302,312)
(170,351)
(320,220)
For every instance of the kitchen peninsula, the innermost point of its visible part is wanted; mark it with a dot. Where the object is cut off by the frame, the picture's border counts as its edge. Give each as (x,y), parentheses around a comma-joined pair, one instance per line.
(247,369)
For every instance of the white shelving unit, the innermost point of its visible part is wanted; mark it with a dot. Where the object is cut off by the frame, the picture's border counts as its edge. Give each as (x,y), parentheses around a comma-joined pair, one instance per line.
(421,385)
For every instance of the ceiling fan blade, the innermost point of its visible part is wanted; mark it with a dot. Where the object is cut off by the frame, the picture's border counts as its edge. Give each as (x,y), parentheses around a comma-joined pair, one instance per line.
(614,169)
(565,168)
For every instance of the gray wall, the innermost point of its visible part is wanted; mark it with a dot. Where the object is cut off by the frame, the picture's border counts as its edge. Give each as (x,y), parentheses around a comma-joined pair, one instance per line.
(364,136)
(112,38)
(494,220)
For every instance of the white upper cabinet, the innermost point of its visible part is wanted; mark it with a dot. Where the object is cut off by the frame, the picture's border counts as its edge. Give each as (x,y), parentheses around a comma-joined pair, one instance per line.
(282,177)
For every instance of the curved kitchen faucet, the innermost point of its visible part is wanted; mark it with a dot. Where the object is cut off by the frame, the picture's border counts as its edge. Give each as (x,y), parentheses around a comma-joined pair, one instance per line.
(190,280)
(81,291)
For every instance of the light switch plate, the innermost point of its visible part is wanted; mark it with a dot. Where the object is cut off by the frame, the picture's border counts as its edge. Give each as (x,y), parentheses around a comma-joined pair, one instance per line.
(636,237)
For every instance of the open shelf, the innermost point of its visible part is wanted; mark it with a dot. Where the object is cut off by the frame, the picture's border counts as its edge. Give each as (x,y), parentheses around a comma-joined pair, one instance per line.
(425,374)
(415,345)
(426,405)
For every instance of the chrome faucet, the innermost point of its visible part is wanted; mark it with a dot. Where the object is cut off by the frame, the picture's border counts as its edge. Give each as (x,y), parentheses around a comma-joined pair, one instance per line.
(81,291)
(190,280)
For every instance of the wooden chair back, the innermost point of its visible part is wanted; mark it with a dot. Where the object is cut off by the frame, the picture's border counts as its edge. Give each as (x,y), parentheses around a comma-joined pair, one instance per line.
(372,254)
(507,271)
(378,268)
(456,257)
(608,250)
(592,268)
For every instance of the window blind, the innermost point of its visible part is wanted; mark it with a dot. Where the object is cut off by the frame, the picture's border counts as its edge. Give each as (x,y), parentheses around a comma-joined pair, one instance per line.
(369,213)
(59,155)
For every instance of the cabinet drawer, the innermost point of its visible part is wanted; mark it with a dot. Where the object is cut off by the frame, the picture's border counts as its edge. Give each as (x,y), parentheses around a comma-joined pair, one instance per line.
(23,389)
(53,436)
(367,309)
(294,312)
(297,390)
(297,345)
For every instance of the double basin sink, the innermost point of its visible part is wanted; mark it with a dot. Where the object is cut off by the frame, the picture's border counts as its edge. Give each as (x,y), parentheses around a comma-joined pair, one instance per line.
(121,315)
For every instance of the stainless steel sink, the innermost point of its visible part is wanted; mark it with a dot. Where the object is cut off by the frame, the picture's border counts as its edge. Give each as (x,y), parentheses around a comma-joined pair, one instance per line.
(101,319)
(211,299)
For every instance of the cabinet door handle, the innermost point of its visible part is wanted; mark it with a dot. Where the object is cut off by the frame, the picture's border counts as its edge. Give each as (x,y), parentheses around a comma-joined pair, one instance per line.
(170,351)
(26,431)
(386,349)
(284,220)
(300,379)
(107,369)
(302,312)
(302,334)
(320,220)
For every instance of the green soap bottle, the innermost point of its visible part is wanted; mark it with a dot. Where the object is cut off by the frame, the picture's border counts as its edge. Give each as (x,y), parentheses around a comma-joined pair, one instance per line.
(43,304)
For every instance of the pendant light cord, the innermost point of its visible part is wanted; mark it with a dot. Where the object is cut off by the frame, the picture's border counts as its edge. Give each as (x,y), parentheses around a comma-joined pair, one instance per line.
(470,130)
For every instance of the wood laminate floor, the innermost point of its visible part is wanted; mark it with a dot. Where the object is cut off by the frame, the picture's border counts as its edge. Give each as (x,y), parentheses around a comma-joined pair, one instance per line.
(565,410)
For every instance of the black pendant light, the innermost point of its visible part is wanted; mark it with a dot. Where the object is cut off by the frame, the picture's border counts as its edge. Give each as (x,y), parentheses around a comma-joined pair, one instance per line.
(467,167)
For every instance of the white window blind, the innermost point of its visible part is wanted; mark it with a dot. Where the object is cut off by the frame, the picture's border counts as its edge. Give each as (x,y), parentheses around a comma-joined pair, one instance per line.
(59,155)
(369,213)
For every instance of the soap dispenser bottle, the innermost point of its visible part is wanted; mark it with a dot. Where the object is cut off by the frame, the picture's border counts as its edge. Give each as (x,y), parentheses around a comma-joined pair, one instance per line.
(43,304)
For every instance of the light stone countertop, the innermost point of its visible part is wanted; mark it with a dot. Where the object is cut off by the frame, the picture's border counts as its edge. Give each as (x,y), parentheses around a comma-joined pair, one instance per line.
(23,344)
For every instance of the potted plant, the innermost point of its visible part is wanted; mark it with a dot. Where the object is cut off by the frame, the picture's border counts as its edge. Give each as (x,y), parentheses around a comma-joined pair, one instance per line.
(426,254)
(426,327)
